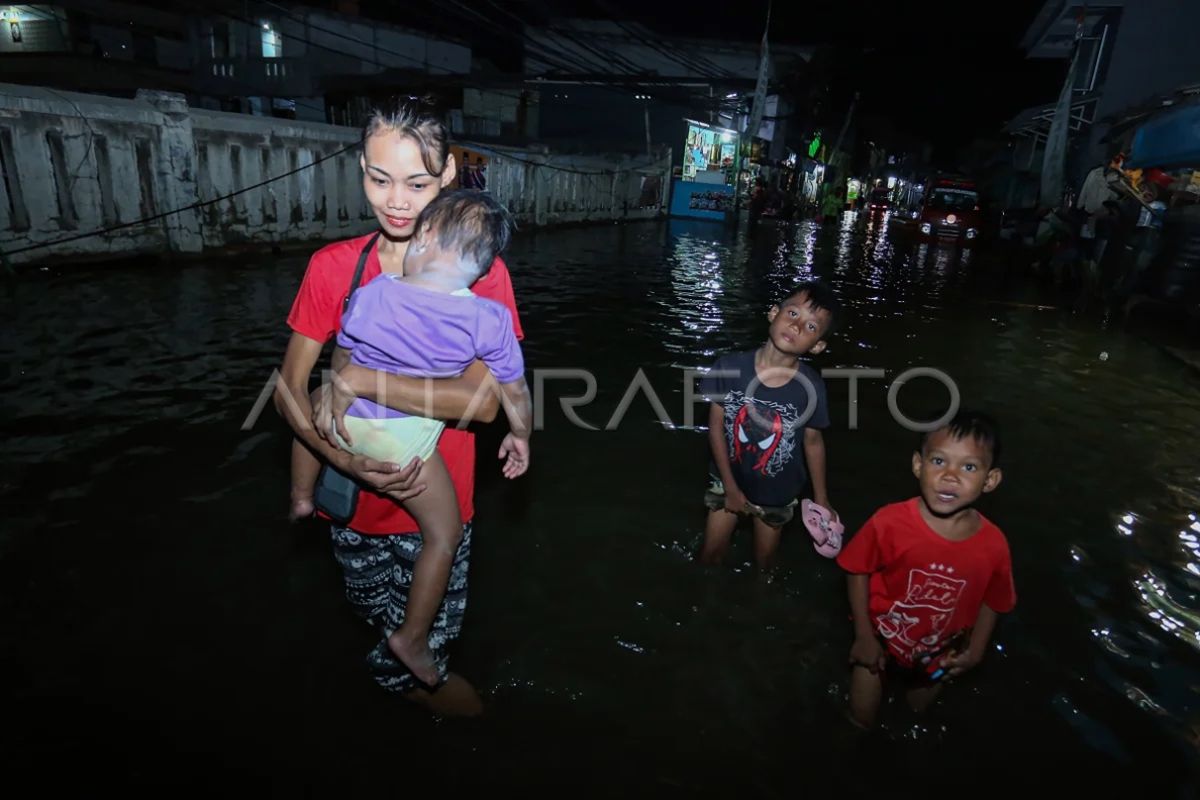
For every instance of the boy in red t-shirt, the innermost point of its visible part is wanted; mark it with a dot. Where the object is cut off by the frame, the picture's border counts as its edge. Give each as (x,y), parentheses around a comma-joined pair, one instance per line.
(929,576)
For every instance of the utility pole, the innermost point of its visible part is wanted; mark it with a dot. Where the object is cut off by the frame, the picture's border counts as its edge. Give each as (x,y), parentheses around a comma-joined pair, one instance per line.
(649,148)
(837,146)
(756,113)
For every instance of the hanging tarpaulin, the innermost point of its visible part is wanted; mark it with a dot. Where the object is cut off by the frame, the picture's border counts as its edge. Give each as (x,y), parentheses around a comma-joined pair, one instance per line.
(1171,139)
(760,92)
(1054,160)
(760,86)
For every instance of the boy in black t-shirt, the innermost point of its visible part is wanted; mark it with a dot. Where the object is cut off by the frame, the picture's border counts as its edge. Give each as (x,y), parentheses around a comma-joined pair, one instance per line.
(765,402)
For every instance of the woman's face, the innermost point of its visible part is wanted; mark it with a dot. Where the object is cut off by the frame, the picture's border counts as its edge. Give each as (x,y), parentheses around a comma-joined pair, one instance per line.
(397,183)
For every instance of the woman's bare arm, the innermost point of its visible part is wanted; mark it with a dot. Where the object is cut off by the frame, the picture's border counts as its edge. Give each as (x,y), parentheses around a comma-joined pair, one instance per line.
(472,397)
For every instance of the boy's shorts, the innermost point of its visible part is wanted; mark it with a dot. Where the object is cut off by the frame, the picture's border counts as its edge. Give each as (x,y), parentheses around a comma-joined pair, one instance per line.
(916,674)
(775,516)
(896,673)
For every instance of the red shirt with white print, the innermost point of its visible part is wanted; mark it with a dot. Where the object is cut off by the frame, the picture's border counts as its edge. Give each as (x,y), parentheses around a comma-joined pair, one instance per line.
(925,588)
(317,314)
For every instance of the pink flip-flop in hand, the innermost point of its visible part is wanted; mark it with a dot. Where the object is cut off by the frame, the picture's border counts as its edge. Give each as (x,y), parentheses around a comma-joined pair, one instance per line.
(824,529)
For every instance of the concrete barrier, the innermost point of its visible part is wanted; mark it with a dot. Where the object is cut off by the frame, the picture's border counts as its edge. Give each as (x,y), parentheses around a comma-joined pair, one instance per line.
(101,176)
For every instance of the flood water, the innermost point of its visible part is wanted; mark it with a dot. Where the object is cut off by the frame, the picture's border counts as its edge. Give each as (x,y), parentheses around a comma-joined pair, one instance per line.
(165,628)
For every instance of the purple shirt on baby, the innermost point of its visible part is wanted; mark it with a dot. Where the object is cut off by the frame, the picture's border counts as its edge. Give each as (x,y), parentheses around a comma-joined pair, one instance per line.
(396,327)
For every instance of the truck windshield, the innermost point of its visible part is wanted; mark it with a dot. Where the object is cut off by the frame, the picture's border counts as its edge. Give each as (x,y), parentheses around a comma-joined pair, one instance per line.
(942,199)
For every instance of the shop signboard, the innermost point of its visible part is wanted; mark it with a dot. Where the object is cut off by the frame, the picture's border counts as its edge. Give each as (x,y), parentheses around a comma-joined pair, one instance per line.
(701,200)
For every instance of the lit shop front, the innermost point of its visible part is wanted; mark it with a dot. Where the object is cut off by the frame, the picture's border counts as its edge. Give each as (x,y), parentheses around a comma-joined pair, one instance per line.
(705,186)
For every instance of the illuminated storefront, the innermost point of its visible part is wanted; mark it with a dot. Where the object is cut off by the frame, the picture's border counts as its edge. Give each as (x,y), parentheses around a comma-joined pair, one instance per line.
(705,187)
(709,149)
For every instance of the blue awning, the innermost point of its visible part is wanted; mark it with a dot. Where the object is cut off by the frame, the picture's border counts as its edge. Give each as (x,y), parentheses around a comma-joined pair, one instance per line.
(1168,140)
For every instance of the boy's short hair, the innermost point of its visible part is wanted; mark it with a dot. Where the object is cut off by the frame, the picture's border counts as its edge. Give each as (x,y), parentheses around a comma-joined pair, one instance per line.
(820,297)
(469,222)
(968,423)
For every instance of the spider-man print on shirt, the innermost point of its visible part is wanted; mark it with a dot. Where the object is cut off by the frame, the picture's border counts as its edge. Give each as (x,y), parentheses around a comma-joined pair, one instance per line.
(764,426)
(763,433)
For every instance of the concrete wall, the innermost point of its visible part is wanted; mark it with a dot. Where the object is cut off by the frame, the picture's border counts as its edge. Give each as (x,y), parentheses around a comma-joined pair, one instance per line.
(544,189)
(39,29)
(1154,53)
(75,164)
(52,145)
(334,44)
(382,46)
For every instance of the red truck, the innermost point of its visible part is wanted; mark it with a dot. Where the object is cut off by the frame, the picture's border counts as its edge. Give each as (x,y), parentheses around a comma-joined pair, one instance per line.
(950,211)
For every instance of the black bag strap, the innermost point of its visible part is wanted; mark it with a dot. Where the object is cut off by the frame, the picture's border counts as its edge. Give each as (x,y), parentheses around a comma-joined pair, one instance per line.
(358,270)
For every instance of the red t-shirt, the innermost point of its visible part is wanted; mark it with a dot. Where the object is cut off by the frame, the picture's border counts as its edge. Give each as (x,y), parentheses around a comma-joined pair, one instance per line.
(925,588)
(317,314)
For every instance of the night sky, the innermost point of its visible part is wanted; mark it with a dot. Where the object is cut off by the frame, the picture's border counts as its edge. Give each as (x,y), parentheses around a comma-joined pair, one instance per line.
(922,67)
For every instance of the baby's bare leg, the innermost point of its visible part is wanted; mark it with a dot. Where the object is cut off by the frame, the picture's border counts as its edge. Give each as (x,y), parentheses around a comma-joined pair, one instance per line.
(305,469)
(436,512)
